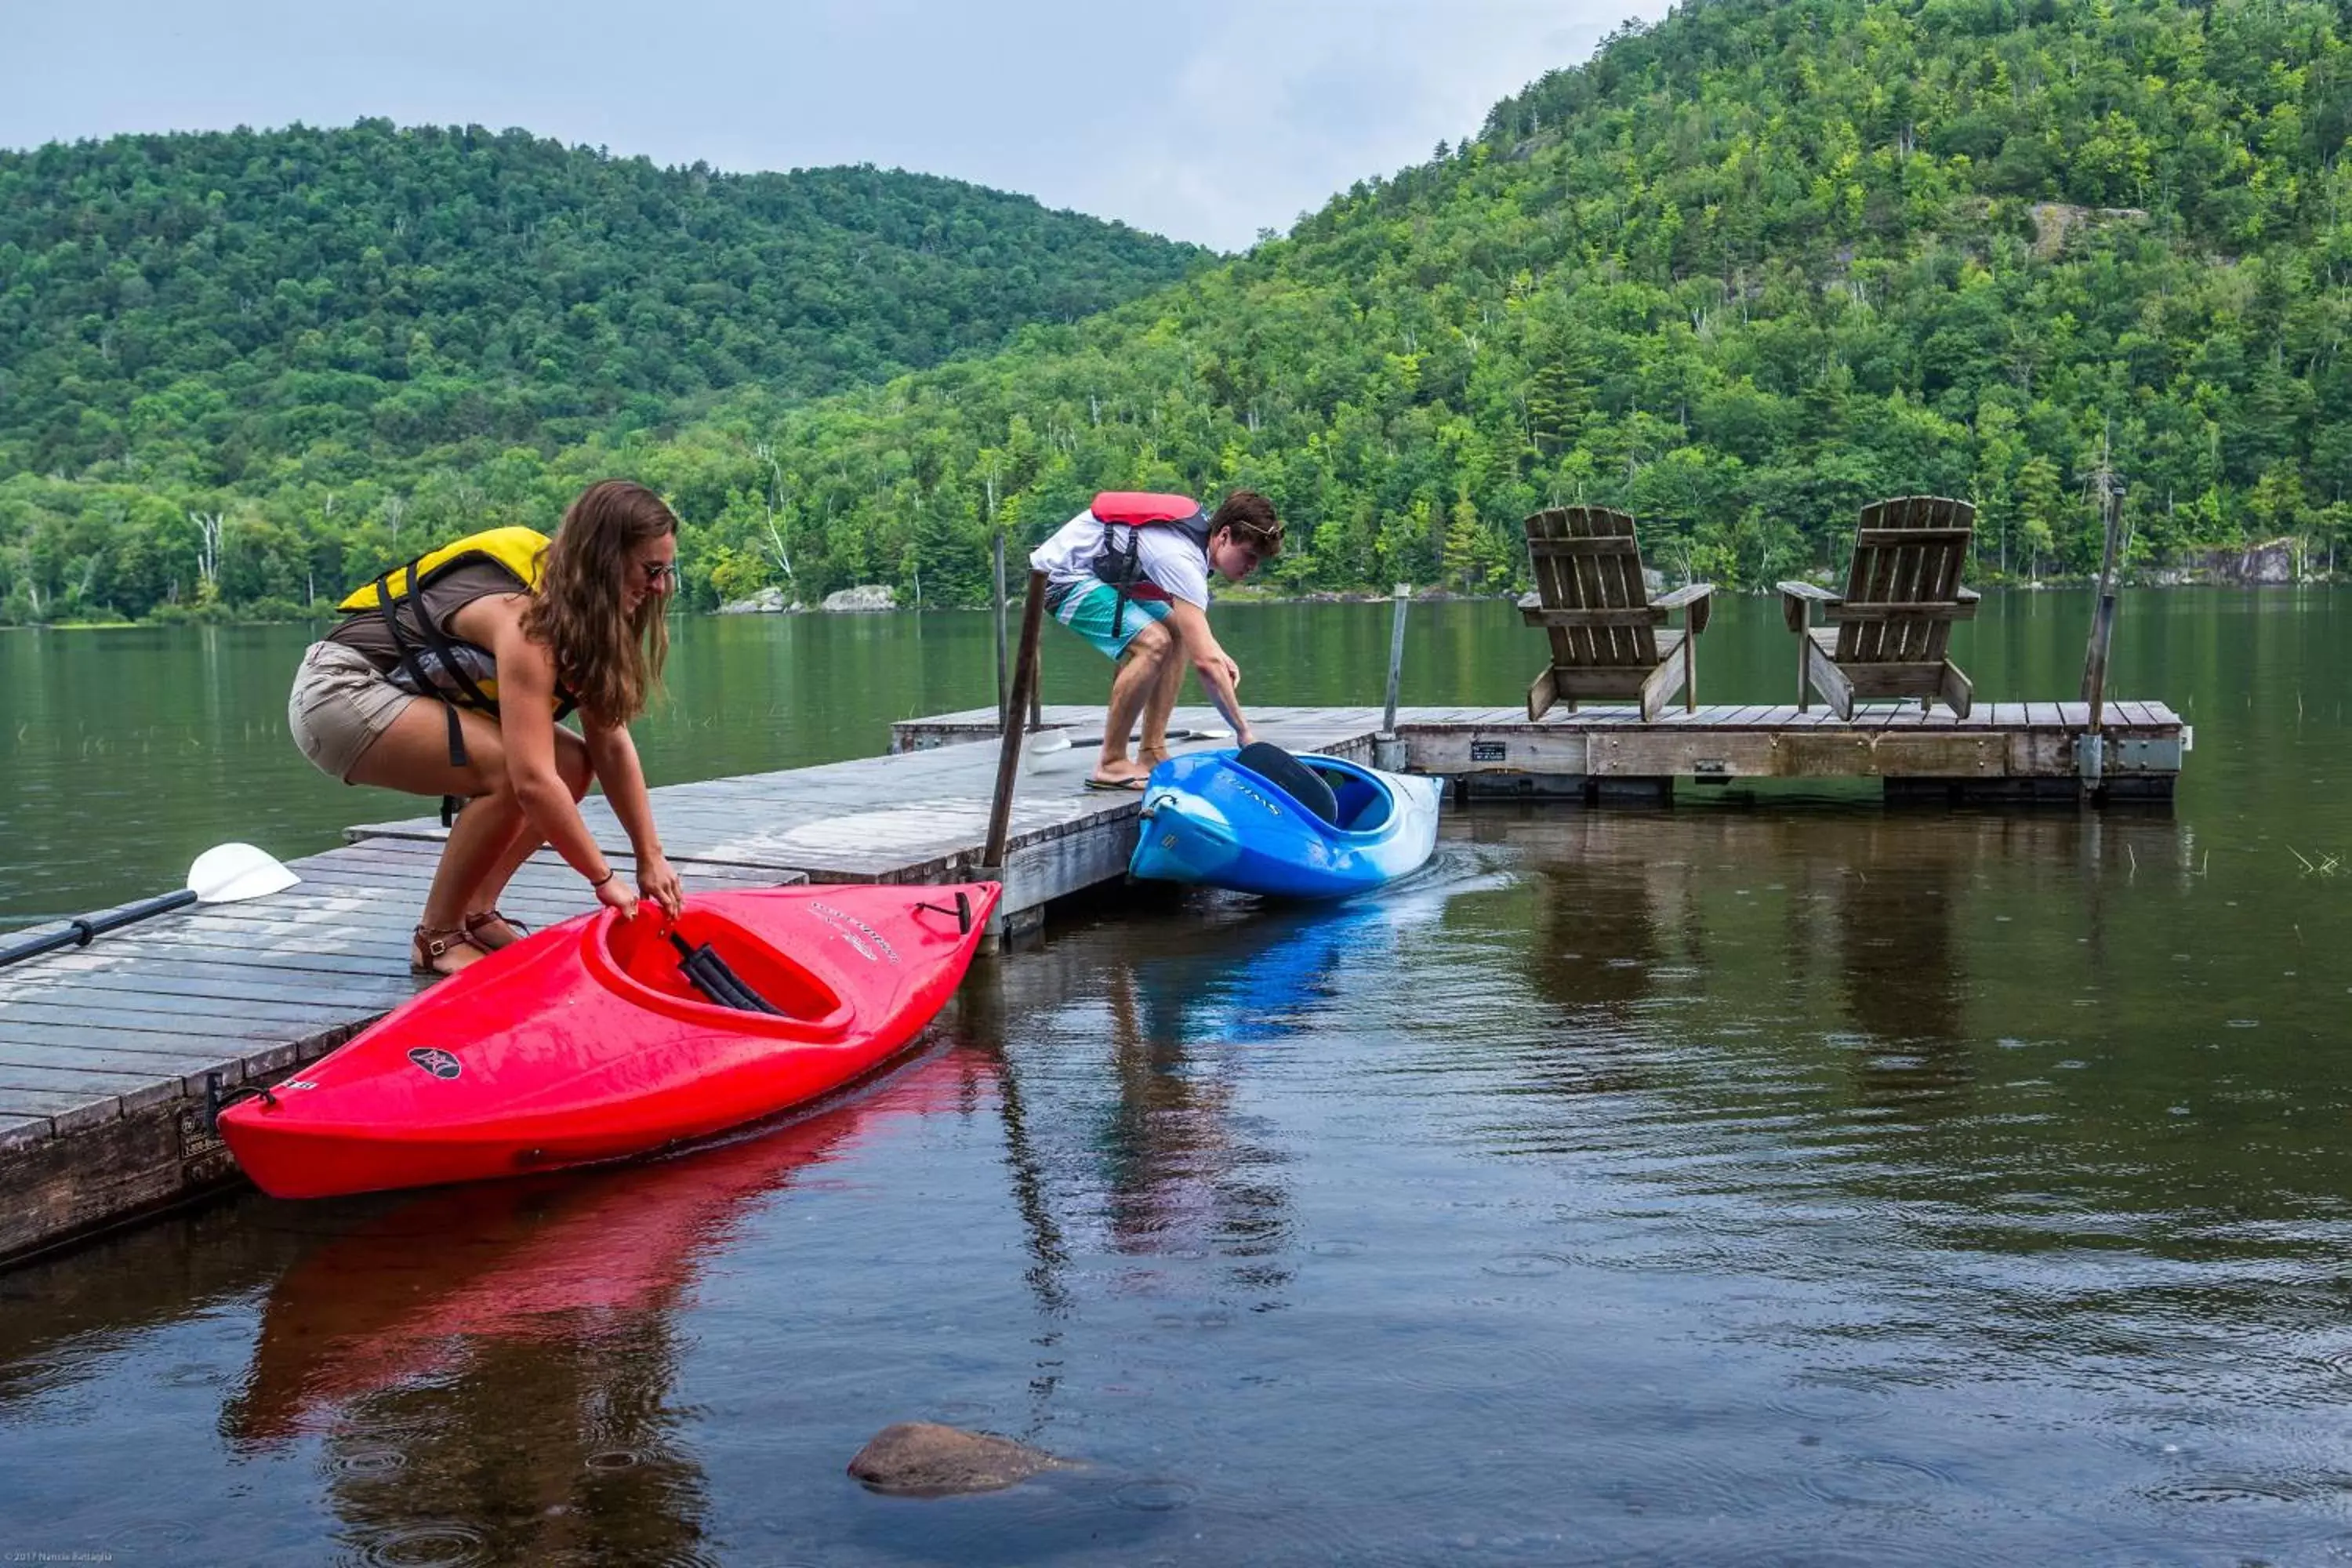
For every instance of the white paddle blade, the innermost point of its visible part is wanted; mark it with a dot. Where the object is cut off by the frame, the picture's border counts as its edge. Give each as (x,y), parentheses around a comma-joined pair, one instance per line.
(1213,732)
(228,872)
(1036,748)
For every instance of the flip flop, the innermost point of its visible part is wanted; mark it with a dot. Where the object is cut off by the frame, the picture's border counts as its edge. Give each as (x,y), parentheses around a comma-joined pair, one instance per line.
(1130,786)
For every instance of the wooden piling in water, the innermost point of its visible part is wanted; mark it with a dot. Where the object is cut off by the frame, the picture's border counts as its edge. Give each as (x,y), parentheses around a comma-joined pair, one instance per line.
(1008,757)
(1003,693)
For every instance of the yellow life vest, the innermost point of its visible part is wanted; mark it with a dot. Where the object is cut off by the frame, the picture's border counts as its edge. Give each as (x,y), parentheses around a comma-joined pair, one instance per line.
(522,551)
(457,673)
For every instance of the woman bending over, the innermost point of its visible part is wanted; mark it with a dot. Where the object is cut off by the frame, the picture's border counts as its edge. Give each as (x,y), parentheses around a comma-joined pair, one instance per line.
(447,678)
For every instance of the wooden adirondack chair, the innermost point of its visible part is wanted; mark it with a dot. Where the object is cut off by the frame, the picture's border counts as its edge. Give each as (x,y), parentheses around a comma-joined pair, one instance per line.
(1887,633)
(1608,638)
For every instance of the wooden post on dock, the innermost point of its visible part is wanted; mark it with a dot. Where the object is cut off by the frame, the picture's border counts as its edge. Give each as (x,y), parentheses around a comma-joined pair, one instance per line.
(2102,621)
(1003,696)
(1009,744)
(2091,746)
(1386,752)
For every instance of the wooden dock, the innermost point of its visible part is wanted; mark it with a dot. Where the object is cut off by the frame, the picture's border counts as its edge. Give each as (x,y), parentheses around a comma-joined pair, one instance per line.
(2003,753)
(113,1057)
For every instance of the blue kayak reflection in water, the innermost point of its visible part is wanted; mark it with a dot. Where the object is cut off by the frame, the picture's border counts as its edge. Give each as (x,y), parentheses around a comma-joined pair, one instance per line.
(1254,972)
(1164,1154)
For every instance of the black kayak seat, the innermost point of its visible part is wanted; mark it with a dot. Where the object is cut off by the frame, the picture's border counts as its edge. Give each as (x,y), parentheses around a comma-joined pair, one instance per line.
(720,985)
(1292,777)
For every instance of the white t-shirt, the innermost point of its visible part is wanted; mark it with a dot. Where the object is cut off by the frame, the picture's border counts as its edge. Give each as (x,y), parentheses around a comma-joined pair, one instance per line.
(1170,561)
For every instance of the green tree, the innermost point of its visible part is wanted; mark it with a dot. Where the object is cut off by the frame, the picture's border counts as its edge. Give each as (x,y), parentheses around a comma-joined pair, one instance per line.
(2041,505)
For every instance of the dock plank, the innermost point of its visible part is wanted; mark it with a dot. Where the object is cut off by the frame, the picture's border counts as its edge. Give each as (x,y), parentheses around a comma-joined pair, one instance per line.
(65,1113)
(90,1086)
(164,1015)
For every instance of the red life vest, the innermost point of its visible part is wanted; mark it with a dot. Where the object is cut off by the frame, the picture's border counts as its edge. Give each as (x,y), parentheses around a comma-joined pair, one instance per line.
(1124,515)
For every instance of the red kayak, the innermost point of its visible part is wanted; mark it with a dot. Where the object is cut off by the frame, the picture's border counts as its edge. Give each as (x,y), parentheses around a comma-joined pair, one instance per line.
(603,1037)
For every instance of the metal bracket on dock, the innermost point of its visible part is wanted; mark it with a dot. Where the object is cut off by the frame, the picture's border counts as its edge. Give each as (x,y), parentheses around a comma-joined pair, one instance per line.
(2149,753)
(2097,756)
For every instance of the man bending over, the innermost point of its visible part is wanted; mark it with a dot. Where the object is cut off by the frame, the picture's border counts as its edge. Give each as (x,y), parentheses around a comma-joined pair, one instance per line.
(1130,574)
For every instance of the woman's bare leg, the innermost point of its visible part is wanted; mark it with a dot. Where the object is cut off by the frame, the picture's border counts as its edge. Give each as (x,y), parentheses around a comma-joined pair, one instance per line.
(413,755)
(572,763)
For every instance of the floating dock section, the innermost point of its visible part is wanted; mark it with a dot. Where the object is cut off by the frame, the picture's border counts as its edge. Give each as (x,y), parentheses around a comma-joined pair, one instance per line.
(114,1057)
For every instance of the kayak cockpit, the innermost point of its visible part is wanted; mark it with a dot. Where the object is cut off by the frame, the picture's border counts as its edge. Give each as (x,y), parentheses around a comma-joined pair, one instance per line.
(1362,805)
(649,955)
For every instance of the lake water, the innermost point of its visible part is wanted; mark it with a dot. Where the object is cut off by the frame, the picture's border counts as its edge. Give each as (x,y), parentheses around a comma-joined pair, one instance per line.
(1778,1179)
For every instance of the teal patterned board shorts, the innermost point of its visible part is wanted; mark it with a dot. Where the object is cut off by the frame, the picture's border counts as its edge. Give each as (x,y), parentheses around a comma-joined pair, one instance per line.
(1087,609)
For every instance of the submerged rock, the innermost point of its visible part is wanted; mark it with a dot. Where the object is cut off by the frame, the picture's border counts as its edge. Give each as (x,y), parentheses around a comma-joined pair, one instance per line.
(869,596)
(924,1458)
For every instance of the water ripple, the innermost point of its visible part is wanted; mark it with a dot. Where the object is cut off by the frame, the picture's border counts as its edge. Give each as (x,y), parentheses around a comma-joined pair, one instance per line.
(446,1543)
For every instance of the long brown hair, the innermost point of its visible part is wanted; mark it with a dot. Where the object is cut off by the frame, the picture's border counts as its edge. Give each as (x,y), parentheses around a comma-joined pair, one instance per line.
(609,662)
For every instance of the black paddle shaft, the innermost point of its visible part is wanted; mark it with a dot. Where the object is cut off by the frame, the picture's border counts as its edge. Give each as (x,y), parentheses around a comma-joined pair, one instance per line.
(77,932)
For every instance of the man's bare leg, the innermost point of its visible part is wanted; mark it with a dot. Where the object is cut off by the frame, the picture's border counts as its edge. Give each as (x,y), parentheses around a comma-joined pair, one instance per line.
(1138,679)
(1153,748)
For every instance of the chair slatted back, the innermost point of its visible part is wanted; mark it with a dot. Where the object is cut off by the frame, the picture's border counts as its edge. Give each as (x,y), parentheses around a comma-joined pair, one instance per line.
(1909,551)
(1585,558)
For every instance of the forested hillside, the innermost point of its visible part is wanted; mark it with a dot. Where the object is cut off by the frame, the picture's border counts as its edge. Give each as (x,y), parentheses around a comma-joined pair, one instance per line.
(218,316)
(1740,273)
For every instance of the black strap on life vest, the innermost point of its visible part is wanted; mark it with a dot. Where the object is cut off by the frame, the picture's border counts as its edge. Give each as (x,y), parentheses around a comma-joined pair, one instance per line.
(1129,566)
(475,697)
(470,694)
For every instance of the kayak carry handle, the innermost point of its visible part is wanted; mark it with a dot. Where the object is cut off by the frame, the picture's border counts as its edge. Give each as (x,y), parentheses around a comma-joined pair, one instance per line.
(962,912)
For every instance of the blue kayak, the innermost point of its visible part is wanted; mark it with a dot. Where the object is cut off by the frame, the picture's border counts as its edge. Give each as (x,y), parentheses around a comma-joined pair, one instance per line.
(1262,821)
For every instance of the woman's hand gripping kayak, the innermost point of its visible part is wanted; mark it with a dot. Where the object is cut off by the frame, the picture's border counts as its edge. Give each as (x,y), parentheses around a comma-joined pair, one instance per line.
(656,883)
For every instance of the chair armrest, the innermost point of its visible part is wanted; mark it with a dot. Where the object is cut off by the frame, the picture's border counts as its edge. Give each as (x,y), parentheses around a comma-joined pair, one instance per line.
(1797,600)
(1965,599)
(1696,598)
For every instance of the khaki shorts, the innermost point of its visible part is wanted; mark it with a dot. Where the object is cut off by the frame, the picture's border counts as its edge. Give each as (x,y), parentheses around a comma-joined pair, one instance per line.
(341,703)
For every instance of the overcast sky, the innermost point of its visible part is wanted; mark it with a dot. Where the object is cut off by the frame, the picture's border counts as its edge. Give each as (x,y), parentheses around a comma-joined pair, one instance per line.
(1205,120)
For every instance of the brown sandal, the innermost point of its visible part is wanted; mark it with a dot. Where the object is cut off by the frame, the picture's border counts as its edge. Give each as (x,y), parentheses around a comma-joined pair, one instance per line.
(475,922)
(434,943)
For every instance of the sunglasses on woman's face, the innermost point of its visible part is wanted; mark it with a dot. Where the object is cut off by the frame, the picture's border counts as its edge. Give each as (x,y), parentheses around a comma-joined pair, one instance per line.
(659,573)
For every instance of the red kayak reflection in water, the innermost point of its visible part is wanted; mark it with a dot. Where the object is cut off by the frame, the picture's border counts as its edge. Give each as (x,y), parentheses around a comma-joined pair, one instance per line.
(419,1290)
